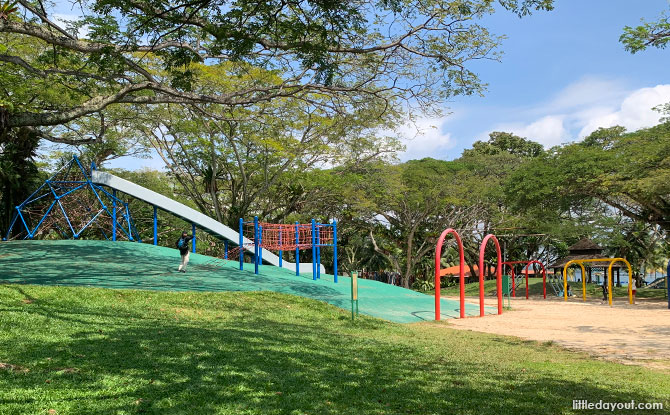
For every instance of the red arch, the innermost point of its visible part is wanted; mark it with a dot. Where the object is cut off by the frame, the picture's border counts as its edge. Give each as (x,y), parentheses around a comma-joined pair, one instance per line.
(438,255)
(482,251)
(527,264)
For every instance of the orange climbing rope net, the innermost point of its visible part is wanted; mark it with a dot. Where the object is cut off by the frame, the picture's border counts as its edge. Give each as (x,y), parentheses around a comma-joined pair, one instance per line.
(286,237)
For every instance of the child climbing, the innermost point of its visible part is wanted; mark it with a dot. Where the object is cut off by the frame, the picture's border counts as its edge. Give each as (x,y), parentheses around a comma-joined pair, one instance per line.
(182,245)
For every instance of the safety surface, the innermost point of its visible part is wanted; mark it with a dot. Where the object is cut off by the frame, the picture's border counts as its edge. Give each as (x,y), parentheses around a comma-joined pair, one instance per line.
(131,265)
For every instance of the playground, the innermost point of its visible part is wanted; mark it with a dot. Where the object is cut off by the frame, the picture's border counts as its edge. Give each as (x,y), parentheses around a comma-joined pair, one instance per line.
(332,208)
(252,332)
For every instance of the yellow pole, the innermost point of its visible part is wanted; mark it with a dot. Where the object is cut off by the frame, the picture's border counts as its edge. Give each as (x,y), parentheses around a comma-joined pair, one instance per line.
(630,286)
(565,279)
(609,282)
(630,275)
(609,276)
(583,281)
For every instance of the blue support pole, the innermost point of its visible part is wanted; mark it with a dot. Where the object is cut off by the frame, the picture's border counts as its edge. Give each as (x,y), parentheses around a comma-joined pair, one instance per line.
(297,249)
(241,244)
(127,215)
(23,220)
(193,227)
(32,232)
(225,249)
(280,251)
(667,284)
(313,249)
(114,215)
(11,225)
(335,250)
(256,253)
(155,226)
(318,252)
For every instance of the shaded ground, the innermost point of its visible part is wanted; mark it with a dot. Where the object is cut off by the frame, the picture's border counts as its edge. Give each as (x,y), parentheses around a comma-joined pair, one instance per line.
(93,351)
(636,334)
(141,266)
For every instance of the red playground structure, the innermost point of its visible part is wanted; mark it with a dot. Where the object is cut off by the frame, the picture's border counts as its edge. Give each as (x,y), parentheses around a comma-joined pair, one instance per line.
(527,264)
(482,251)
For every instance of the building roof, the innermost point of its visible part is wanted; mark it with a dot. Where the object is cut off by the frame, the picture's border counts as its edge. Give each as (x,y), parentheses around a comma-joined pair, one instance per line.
(585,244)
(597,264)
(584,249)
(455,270)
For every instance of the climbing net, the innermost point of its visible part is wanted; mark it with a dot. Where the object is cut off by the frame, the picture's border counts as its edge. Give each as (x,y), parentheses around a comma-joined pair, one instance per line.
(287,237)
(69,205)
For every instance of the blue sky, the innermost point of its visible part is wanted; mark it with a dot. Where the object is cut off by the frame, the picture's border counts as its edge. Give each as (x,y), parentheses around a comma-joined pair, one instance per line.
(563,74)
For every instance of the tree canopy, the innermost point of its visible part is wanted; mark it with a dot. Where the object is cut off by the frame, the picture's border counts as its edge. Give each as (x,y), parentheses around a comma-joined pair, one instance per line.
(142,53)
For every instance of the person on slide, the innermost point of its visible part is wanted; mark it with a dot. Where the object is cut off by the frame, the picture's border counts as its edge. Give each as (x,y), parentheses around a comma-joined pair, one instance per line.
(182,245)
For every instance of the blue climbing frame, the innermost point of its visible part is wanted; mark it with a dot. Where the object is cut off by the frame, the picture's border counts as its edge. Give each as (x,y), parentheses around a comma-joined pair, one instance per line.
(62,184)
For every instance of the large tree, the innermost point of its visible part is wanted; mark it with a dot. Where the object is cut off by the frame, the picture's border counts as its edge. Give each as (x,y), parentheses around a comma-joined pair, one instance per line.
(152,52)
(412,203)
(609,170)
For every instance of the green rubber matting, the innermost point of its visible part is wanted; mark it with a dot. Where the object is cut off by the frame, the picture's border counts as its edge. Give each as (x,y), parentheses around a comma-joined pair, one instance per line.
(130,265)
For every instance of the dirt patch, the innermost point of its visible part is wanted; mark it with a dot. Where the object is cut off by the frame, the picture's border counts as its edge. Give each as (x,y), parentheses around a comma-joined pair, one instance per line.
(632,334)
(13,368)
(67,370)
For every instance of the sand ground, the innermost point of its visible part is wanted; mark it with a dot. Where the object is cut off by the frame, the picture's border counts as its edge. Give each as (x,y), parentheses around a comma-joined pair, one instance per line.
(632,334)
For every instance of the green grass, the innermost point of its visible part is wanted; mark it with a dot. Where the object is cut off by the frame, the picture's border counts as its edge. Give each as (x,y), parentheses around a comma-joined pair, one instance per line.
(76,350)
(535,290)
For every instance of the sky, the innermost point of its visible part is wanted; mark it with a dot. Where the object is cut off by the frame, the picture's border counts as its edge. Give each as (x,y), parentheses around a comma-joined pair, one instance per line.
(563,74)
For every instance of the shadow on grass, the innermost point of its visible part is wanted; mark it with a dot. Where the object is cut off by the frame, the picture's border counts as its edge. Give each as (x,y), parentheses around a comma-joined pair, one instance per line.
(256,364)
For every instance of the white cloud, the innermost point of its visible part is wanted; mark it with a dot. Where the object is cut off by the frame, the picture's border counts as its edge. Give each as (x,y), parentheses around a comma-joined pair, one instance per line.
(587,92)
(425,138)
(584,106)
(634,112)
(548,130)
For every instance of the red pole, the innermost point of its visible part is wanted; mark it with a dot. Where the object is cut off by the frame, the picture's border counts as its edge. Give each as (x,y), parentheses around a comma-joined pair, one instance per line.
(438,255)
(461,270)
(461,277)
(527,282)
(513,282)
(544,277)
(482,250)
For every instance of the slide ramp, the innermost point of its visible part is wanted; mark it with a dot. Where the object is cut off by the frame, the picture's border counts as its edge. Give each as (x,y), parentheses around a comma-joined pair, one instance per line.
(188,214)
(657,283)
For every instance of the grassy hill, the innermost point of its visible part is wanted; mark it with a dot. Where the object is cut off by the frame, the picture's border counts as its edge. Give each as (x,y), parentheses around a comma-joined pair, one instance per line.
(143,266)
(77,350)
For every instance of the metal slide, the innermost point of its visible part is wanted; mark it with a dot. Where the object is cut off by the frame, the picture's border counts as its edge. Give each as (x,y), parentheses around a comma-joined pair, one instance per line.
(657,283)
(554,283)
(190,215)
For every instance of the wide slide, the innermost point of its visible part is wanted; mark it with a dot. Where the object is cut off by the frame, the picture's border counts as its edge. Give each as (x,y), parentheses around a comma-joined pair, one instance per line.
(188,214)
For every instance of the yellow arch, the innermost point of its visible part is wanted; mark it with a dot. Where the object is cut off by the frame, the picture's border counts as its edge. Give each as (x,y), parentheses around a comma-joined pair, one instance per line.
(580,262)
